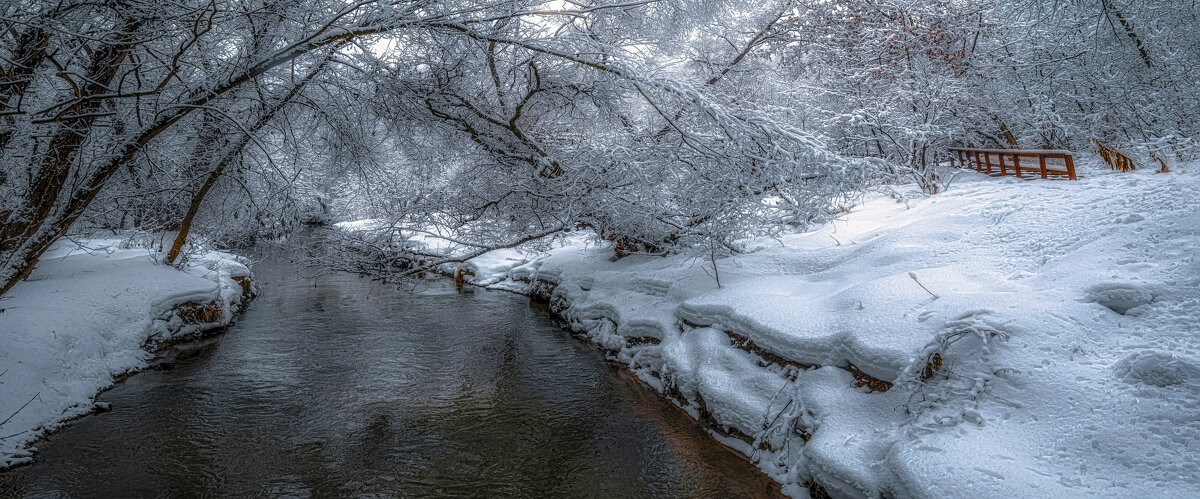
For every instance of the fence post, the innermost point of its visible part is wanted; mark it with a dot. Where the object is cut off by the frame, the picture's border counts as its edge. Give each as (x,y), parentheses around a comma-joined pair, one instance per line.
(1070,166)
(1017,164)
(1042,163)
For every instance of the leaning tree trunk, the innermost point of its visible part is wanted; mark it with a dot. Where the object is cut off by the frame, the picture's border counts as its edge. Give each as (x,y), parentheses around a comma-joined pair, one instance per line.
(1127,26)
(29,53)
(26,234)
(232,154)
(23,242)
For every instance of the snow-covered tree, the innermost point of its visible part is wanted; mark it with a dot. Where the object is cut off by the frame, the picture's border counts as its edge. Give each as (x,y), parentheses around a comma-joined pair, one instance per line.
(658,123)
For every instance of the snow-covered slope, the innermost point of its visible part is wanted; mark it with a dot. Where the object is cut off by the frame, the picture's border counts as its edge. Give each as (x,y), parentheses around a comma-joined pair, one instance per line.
(1038,338)
(83,317)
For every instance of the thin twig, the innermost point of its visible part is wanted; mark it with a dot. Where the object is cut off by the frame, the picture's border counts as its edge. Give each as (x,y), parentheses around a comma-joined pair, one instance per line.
(13,415)
(913,275)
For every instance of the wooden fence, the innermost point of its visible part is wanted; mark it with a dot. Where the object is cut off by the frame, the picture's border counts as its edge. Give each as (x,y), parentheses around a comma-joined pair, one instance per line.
(1010,160)
(1116,160)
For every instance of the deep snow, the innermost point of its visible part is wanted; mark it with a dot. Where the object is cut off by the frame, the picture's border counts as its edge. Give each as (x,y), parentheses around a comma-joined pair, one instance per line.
(84,315)
(1038,337)
(1064,316)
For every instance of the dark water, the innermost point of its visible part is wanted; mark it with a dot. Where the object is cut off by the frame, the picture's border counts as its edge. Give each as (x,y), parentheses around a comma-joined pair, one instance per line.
(338,386)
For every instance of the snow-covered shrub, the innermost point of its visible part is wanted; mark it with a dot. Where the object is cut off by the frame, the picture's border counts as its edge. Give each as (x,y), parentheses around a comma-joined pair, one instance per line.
(953,372)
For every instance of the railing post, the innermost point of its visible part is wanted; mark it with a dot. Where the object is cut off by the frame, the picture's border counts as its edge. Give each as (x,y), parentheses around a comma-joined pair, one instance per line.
(1070,166)
(1017,164)
(1042,163)
(1002,166)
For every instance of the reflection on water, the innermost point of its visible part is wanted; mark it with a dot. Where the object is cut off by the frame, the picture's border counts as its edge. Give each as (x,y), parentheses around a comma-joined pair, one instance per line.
(339,386)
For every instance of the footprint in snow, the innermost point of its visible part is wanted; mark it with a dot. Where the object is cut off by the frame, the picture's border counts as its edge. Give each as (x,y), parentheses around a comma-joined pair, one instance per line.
(1130,218)
(1124,299)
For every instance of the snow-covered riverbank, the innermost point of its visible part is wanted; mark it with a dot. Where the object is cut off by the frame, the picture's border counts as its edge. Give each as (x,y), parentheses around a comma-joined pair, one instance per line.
(86,314)
(1033,338)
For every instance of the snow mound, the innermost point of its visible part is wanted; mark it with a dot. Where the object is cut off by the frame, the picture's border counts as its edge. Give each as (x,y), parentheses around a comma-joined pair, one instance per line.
(1158,368)
(1124,299)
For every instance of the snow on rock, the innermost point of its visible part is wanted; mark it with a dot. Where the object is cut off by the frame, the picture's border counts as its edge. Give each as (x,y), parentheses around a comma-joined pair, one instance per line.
(85,314)
(735,390)
(1038,338)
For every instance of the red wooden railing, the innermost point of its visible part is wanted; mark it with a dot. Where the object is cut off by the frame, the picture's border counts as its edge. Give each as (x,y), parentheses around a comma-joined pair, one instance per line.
(981,160)
(1116,160)
(1121,162)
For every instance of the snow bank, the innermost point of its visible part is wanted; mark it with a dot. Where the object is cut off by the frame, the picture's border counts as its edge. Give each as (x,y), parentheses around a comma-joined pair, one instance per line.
(1005,337)
(85,314)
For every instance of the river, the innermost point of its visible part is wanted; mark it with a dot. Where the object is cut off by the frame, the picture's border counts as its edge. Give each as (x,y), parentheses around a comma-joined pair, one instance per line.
(334,385)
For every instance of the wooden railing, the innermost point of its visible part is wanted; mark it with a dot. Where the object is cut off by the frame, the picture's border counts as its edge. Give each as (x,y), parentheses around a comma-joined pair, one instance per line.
(1116,160)
(1010,159)
(1121,162)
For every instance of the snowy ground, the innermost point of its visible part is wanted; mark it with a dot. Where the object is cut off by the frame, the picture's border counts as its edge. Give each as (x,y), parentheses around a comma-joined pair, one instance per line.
(1065,319)
(84,316)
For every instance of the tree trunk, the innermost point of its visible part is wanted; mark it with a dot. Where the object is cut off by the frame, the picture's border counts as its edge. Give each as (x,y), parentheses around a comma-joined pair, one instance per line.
(30,51)
(230,155)
(30,241)
(186,225)
(1110,9)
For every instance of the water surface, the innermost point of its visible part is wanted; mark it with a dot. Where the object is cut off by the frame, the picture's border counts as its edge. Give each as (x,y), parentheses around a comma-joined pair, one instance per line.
(338,386)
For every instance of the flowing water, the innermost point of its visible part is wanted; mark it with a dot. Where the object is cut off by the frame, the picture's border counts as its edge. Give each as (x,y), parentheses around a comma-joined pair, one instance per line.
(338,386)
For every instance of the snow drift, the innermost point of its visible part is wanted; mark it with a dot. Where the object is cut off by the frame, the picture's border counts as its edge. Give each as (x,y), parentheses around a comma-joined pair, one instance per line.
(1003,338)
(87,314)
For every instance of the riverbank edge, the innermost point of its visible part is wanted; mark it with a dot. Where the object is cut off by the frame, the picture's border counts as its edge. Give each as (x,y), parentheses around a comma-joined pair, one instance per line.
(541,292)
(156,348)
(1015,339)
(192,327)
(186,322)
